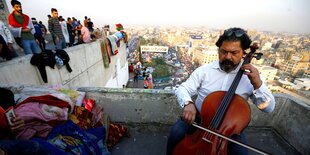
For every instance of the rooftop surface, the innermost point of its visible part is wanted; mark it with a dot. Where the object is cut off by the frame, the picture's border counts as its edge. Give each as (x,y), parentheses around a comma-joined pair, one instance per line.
(152,141)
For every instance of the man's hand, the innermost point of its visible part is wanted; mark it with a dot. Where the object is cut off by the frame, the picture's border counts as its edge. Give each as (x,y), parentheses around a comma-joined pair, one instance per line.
(10,46)
(253,75)
(56,39)
(26,30)
(17,124)
(189,113)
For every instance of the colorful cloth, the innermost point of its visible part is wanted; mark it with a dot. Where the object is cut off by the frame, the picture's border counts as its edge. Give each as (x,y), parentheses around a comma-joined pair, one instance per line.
(77,97)
(113,44)
(39,118)
(104,53)
(86,119)
(59,100)
(82,117)
(116,133)
(73,140)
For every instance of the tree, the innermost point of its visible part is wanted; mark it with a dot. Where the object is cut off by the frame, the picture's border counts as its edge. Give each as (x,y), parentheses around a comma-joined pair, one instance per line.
(161,71)
(159,61)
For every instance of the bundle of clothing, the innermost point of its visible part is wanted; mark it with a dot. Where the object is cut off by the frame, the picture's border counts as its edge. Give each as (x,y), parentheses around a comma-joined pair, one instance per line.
(50,58)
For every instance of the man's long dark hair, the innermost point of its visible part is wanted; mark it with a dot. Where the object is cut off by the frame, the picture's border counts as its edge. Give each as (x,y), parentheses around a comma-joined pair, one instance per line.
(15,2)
(245,40)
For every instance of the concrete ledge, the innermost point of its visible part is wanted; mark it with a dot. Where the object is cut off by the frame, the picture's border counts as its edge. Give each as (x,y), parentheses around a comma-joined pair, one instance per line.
(136,105)
(290,119)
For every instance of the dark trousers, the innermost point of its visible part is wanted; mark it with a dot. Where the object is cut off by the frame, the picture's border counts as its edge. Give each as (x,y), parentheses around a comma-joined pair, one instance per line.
(135,78)
(41,42)
(180,129)
(5,52)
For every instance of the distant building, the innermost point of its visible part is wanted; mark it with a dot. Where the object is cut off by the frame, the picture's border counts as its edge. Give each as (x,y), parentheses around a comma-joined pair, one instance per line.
(286,84)
(306,74)
(277,43)
(210,55)
(302,83)
(267,46)
(295,68)
(205,55)
(267,72)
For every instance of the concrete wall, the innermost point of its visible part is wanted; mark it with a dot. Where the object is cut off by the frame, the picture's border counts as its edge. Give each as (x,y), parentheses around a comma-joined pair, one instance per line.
(290,119)
(4,11)
(136,105)
(85,61)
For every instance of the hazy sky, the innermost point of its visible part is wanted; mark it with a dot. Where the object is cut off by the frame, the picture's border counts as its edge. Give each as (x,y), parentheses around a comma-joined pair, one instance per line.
(270,15)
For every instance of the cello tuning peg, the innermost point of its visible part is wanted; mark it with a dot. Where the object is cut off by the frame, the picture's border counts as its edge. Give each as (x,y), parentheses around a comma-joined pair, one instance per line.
(258,56)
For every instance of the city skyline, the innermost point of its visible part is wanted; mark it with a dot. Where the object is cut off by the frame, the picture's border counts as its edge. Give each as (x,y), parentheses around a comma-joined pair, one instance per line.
(264,15)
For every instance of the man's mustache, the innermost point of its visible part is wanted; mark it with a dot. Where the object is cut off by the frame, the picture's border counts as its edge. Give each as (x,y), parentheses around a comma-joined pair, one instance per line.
(227,62)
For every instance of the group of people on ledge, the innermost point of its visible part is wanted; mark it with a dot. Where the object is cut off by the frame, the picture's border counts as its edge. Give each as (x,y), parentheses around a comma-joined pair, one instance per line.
(30,34)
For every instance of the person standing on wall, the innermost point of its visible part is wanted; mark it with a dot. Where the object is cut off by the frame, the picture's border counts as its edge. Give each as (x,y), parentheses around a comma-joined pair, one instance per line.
(22,27)
(55,29)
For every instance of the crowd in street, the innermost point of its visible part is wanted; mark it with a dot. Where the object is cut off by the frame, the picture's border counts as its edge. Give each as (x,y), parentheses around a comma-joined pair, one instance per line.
(141,73)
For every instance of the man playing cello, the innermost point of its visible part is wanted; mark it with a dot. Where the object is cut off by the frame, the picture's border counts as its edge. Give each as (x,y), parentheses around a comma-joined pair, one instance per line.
(218,76)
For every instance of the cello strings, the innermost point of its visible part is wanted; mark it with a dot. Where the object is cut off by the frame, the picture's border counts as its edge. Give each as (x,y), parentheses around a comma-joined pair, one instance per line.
(227,98)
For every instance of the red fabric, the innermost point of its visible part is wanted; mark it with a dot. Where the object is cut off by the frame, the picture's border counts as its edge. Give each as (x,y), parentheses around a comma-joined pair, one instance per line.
(14,23)
(3,122)
(116,133)
(89,104)
(48,100)
(82,117)
(119,25)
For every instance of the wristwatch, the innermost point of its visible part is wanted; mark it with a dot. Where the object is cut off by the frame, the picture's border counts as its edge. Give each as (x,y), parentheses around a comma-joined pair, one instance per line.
(187,103)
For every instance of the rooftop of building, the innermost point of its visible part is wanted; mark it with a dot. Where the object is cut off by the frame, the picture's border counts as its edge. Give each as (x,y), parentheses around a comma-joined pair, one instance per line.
(149,114)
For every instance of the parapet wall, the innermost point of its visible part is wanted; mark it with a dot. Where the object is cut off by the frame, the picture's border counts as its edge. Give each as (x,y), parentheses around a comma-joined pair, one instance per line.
(291,117)
(85,61)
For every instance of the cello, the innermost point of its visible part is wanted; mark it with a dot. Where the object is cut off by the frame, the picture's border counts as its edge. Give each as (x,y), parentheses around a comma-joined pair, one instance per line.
(223,114)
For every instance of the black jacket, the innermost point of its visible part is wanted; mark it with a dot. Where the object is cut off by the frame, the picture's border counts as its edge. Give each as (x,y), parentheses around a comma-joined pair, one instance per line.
(47,58)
